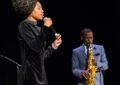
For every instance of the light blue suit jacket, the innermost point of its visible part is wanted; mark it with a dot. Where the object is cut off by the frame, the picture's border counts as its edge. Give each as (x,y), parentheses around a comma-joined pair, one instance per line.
(79,63)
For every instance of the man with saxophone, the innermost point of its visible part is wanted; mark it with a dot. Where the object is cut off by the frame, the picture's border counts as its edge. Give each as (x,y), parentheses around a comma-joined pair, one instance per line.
(86,57)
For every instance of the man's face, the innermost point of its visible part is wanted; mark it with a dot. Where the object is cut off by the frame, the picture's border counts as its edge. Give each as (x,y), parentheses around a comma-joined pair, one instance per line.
(87,38)
(38,12)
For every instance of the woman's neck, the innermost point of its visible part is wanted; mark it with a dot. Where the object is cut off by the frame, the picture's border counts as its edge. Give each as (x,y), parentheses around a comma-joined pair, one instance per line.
(32,19)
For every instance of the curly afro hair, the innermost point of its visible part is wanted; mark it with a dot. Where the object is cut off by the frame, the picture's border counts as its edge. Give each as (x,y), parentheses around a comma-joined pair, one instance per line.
(24,7)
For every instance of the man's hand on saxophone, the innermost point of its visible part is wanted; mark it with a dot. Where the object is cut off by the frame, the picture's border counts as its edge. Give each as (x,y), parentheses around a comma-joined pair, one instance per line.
(85,74)
(94,61)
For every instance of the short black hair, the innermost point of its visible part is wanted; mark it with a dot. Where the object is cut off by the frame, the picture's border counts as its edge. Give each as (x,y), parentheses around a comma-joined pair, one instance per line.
(86,30)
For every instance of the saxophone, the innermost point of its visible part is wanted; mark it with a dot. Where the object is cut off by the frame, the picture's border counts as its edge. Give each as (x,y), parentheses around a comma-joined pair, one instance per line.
(91,69)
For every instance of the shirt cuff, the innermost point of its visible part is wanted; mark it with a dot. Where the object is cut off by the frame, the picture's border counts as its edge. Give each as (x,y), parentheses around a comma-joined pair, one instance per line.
(54,47)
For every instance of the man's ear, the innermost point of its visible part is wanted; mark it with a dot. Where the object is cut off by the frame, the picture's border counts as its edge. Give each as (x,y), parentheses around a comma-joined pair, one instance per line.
(82,38)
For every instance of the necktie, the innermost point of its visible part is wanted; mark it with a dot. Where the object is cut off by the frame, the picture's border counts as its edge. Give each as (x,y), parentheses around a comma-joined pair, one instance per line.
(87,51)
(87,56)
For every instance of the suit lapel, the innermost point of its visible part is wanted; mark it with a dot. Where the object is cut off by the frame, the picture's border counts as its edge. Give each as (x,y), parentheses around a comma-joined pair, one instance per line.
(83,52)
(94,50)
(83,56)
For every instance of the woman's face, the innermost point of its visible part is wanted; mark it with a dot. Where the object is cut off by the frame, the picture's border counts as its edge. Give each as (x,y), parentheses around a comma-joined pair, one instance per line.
(38,12)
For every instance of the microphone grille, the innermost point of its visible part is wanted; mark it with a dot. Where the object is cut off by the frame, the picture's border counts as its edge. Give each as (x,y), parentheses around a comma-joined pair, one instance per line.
(44,18)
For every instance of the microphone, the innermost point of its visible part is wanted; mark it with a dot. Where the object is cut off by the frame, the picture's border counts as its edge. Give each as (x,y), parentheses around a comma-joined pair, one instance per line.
(52,28)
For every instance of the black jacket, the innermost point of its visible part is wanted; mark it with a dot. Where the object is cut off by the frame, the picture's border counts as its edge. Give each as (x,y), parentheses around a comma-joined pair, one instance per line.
(33,51)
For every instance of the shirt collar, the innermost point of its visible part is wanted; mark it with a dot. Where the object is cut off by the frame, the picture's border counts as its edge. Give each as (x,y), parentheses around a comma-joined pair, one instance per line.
(86,46)
(31,22)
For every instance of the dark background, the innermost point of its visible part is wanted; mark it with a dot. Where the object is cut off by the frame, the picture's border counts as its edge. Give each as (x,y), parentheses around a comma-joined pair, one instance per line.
(69,18)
